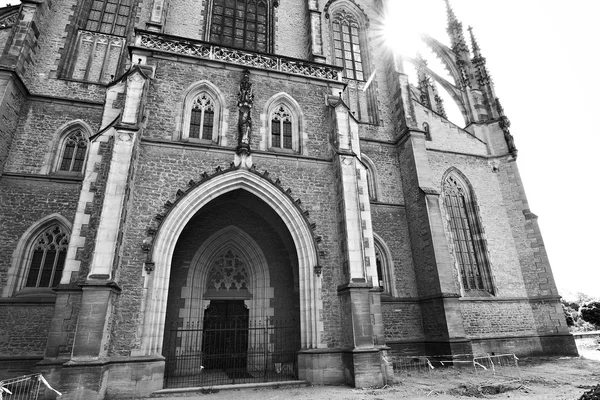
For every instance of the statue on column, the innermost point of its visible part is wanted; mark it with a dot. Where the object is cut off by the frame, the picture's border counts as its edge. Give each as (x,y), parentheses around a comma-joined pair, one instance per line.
(243,158)
(245,101)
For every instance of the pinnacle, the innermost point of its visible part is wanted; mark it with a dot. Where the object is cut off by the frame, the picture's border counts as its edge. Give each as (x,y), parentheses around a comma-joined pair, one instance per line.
(474,44)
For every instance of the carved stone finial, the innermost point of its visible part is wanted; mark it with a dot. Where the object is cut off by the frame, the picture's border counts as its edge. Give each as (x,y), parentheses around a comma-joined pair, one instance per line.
(510,140)
(499,107)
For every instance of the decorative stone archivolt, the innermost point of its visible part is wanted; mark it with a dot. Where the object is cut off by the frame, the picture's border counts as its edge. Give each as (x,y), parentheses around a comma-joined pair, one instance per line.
(183,210)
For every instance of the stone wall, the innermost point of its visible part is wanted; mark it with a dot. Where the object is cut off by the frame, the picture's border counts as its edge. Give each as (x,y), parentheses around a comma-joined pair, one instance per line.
(12,101)
(24,325)
(165,168)
(496,227)
(34,198)
(39,129)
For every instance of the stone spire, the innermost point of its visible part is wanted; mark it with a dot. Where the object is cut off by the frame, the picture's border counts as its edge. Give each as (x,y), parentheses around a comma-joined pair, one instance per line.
(481,73)
(474,44)
(455,31)
(459,46)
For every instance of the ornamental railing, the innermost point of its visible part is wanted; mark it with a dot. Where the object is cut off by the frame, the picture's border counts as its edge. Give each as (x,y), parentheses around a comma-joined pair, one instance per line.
(199,49)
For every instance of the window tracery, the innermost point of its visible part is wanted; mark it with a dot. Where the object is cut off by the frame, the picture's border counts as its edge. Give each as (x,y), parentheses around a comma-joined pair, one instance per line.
(73,153)
(228,273)
(468,243)
(47,258)
(202,114)
(281,128)
(202,118)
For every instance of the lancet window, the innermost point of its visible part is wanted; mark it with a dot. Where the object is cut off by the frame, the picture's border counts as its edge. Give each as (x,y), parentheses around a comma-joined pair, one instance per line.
(202,117)
(470,251)
(73,153)
(47,259)
(347,46)
(281,128)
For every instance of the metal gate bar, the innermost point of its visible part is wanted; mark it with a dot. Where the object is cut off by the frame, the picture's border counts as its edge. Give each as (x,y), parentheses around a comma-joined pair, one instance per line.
(231,353)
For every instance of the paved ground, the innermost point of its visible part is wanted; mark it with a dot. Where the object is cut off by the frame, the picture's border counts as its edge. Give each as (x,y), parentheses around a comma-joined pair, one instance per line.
(550,378)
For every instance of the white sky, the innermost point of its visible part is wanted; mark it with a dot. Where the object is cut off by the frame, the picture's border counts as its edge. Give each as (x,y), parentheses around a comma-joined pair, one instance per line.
(542,56)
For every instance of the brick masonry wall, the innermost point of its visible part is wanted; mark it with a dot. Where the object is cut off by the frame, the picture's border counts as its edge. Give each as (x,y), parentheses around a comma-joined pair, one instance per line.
(184,18)
(389,222)
(504,261)
(549,317)
(162,170)
(40,75)
(11,105)
(37,135)
(417,224)
(290,31)
(4,35)
(534,261)
(493,319)
(385,158)
(167,90)
(34,199)
(24,328)
(402,320)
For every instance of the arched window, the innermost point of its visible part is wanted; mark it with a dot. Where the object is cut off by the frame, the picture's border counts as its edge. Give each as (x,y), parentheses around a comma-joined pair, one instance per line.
(427,131)
(347,46)
(243,24)
(47,258)
(372,183)
(385,267)
(202,117)
(282,125)
(469,246)
(202,114)
(281,128)
(73,153)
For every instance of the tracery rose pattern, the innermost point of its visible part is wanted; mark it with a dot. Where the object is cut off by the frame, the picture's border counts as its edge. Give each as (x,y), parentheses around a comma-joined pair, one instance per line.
(228,272)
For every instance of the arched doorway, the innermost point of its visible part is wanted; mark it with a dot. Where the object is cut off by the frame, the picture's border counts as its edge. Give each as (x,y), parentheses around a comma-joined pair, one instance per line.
(233,308)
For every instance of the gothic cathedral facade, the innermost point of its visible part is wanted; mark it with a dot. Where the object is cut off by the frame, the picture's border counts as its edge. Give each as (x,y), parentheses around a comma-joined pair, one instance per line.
(167,166)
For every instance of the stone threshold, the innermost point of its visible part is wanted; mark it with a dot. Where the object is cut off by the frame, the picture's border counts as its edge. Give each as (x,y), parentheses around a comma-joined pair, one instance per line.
(231,387)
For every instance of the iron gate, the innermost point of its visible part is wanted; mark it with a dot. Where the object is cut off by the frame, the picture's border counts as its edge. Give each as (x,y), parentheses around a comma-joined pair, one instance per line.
(206,355)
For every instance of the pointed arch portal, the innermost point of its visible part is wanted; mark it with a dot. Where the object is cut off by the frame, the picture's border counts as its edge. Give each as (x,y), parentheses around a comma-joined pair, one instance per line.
(157,283)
